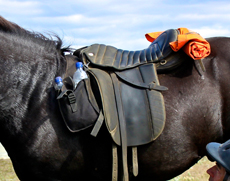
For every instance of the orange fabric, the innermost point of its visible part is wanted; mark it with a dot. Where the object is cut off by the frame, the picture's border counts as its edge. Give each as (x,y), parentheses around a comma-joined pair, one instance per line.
(152,36)
(191,42)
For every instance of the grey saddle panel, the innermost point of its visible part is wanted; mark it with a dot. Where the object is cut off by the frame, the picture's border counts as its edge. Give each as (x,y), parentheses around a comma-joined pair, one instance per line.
(111,57)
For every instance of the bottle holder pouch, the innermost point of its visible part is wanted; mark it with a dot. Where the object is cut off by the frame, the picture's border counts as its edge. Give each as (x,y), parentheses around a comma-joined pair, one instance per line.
(78,107)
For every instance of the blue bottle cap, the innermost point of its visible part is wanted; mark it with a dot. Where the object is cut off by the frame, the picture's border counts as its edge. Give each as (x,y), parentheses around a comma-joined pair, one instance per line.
(79,65)
(58,79)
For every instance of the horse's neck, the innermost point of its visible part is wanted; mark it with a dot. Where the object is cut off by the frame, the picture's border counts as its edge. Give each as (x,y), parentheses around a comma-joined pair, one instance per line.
(25,95)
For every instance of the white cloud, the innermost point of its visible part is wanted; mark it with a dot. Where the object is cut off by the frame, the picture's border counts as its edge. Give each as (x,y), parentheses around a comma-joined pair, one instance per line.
(213,31)
(20,7)
(117,22)
(204,17)
(77,18)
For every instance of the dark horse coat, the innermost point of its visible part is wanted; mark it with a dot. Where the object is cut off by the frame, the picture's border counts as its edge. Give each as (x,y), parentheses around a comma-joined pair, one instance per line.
(42,148)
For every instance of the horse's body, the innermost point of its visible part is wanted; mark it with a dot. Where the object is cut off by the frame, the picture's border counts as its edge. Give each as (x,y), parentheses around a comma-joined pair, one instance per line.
(42,148)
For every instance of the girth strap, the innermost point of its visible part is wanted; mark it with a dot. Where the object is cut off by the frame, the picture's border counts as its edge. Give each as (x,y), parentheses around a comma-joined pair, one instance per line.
(98,124)
(122,125)
(135,161)
(150,86)
(115,163)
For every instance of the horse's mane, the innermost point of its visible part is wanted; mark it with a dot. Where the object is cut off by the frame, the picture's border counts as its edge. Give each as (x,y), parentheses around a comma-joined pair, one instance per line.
(12,28)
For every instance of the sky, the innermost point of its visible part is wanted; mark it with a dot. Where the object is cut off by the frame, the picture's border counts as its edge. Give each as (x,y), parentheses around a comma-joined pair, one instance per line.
(120,23)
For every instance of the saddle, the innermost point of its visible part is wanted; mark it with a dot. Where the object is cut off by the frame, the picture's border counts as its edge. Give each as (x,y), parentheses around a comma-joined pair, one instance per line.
(130,101)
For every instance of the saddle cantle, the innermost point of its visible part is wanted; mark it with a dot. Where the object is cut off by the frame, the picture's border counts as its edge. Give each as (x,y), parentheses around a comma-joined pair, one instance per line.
(129,97)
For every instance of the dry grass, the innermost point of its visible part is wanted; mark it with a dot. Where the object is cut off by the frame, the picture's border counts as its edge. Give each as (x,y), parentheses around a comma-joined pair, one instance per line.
(6,171)
(195,173)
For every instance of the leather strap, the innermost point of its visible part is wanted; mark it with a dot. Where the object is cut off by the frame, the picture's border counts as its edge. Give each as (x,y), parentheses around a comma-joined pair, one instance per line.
(122,126)
(135,161)
(202,64)
(97,125)
(150,86)
(115,163)
(199,66)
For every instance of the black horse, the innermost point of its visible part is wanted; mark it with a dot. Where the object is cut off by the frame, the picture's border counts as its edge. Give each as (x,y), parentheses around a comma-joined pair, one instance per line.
(42,148)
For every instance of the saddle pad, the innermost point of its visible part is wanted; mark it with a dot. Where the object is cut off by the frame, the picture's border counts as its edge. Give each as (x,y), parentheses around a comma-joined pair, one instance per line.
(143,109)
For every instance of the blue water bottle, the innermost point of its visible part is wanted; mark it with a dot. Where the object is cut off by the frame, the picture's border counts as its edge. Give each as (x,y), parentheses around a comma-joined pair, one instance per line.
(79,74)
(59,83)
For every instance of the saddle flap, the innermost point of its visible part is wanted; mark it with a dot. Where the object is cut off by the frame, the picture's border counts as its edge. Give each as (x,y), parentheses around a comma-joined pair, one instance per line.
(142,109)
(101,80)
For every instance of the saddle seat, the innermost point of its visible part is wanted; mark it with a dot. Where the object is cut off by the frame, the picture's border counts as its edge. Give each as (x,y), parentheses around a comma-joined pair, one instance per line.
(118,59)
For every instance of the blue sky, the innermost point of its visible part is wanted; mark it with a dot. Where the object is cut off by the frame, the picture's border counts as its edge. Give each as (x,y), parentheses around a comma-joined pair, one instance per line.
(120,23)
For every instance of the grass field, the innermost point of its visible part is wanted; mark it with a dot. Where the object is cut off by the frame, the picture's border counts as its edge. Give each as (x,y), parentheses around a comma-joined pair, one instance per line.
(195,173)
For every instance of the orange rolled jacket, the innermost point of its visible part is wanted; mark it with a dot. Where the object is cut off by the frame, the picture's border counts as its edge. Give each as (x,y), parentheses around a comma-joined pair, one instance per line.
(191,42)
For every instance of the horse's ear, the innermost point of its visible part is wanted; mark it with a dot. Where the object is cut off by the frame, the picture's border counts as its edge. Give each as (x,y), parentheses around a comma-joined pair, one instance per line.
(64,49)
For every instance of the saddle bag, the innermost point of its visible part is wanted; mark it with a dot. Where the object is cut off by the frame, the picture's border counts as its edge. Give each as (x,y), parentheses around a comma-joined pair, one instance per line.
(78,107)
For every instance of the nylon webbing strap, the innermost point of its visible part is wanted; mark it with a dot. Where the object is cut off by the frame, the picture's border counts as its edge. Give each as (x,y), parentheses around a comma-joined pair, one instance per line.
(122,125)
(72,101)
(98,125)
